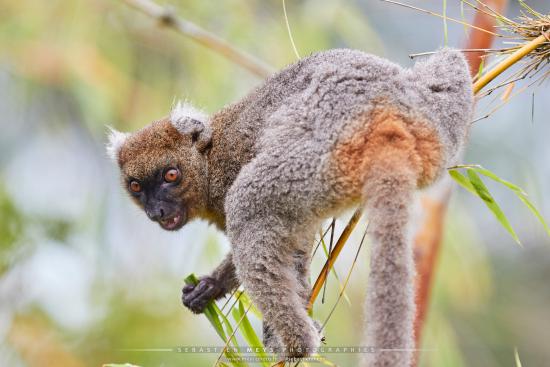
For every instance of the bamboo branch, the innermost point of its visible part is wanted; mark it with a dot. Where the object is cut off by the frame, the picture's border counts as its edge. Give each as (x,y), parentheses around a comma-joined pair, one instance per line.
(511,60)
(333,256)
(167,17)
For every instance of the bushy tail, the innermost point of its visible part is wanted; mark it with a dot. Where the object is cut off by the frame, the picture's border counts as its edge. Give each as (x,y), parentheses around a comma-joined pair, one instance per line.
(390,306)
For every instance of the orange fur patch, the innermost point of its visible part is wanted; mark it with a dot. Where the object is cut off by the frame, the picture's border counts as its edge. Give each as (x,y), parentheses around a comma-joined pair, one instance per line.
(388,136)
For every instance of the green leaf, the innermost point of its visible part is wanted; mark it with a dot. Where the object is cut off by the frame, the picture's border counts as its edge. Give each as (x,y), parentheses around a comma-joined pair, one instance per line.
(491,175)
(227,324)
(522,195)
(243,297)
(249,334)
(516,357)
(535,213)
(209,311)
(214,314)
(462,180)
(486,196)
(518,191)
(480,71)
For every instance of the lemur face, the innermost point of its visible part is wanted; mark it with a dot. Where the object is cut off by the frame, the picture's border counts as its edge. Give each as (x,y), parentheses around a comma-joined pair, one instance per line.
(163,172)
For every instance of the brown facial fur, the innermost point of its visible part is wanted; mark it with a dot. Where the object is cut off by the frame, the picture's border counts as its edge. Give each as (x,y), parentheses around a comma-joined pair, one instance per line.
(159,146)
(388,131)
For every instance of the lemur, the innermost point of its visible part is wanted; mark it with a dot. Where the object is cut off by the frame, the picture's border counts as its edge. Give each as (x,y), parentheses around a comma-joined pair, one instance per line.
(335,130)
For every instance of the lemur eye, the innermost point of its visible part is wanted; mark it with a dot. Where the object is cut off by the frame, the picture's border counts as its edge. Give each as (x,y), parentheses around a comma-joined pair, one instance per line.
(135,186)
(171,175)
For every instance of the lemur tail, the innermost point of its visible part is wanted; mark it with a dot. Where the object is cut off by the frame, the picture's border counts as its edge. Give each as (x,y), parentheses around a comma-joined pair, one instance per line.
(390,306)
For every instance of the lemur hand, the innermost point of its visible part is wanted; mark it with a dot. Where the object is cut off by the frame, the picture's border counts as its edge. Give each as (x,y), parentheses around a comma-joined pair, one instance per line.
(196,296)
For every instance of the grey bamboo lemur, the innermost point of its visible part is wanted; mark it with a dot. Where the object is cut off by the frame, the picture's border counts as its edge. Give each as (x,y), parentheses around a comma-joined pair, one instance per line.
(335,130)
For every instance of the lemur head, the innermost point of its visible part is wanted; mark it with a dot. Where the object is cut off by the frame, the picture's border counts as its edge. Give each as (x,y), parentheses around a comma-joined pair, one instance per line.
(163,166)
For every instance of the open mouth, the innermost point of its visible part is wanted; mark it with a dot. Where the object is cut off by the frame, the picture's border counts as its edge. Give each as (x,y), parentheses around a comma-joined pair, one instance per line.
(173,223)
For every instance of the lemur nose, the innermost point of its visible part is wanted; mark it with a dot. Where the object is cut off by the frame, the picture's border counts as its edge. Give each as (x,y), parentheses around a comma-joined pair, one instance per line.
(155,213)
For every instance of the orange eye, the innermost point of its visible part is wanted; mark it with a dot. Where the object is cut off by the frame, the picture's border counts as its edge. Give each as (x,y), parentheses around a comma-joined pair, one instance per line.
(171,175)
(135,186)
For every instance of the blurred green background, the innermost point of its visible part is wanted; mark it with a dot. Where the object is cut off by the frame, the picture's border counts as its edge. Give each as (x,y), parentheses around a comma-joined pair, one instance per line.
(84,276)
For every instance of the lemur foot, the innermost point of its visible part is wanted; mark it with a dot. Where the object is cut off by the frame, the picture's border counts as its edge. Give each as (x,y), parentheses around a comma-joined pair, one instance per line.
(272,342)
(301,343)
(196,297)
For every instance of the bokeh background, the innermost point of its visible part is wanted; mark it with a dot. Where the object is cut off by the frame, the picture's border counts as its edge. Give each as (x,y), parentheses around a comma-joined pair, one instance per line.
(84,276)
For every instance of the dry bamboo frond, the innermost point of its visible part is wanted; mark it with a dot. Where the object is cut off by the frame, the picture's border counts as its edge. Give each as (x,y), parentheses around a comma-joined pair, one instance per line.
(532,30)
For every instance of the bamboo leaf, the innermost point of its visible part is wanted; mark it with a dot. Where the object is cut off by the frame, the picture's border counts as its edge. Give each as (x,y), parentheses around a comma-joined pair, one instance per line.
(209,311)
(247,302)
(226,323)
(535,212)
(481,66)
(214,314)
(516,357)
(485,172)
(462,180)
(486,196)
(518,191)
(249,334)
(522,195)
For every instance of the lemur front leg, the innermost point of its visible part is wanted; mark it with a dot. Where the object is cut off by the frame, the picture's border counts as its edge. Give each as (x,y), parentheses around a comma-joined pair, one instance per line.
(223,280)
(302,260)
(263,256)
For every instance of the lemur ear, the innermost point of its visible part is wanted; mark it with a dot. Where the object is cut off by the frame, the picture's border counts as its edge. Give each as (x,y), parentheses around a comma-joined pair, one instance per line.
(194,123)
(115,141)
(439,71)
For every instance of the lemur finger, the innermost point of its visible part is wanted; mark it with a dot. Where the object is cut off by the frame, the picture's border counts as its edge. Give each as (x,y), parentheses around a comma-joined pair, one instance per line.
(198,304)
(197,299)
(188,288)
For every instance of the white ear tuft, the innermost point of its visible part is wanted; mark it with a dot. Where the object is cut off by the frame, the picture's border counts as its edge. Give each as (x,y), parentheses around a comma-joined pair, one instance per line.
(115,141)
(183,110)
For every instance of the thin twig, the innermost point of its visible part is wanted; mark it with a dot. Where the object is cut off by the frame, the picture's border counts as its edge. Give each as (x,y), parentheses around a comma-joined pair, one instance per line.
(233,304)
(290,32)
(232,334)
(441,16)
(332,226)
(229,298)
(167,17)
(428,53)
(323,234)
(347,279)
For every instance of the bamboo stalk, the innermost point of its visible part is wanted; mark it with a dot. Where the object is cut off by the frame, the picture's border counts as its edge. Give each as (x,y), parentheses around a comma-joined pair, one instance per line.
(332,257)
(510,60)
